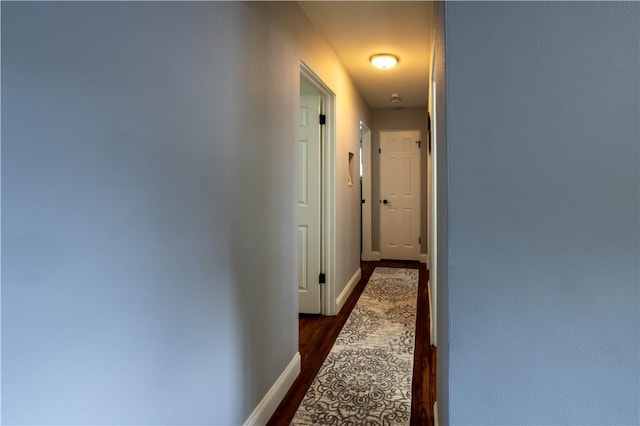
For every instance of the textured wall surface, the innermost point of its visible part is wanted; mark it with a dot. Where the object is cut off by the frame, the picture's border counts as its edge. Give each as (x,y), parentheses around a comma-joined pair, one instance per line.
(149,207)
(543,167)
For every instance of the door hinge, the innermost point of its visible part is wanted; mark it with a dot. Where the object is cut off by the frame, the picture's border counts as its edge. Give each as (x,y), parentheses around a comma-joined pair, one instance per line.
(419,240)
(323,119)
(363,201)
(379,151)
(322,279)
(419,144)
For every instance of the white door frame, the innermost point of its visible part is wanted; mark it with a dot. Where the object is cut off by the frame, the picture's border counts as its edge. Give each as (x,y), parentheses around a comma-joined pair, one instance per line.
(367,253)
(433,209)
(327,192)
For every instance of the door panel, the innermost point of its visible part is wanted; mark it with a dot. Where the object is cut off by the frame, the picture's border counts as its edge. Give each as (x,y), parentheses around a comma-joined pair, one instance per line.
(303,279)
(400,187)
(309,205)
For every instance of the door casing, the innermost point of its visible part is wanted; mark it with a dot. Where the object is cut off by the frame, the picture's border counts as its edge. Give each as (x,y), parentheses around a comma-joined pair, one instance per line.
(433,219)
(367,252)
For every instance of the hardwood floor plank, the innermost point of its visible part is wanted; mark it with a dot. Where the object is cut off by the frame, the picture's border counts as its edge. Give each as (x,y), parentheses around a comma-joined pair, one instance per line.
(317,334)
(421,406)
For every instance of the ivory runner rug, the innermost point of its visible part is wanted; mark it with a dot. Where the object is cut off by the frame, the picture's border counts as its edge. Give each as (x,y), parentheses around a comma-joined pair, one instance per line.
(366,378)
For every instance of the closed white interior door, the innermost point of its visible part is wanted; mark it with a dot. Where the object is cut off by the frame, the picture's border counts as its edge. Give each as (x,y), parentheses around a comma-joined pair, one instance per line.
(309,205)
(400,194)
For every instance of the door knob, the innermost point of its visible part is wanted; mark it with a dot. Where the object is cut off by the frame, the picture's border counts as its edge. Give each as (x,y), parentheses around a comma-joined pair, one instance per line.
(385,202)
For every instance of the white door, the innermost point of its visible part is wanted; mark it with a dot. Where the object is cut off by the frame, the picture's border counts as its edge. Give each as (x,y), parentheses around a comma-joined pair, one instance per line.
(400,194)
(309,205)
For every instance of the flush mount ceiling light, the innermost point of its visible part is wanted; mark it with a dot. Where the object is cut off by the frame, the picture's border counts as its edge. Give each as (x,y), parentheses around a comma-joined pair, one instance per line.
(395,98)
(384,60)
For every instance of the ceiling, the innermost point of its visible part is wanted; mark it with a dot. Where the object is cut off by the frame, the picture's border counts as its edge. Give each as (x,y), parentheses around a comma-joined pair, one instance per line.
(358,29)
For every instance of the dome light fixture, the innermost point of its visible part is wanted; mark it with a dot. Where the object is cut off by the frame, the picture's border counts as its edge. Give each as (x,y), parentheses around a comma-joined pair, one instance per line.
(384,61)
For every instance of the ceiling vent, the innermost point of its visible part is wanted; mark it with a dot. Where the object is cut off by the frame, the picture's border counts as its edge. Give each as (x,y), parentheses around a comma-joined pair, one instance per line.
(395,98)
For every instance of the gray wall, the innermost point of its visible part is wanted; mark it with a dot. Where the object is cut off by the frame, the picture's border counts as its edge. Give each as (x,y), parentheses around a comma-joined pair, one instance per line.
(149,210)
(543,166)
(397,119)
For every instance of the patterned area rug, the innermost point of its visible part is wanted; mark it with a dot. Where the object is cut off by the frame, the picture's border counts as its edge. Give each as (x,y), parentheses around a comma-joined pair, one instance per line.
(366,378)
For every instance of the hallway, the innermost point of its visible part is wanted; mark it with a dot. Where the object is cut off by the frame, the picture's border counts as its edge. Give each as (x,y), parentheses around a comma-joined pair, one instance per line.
(317,335)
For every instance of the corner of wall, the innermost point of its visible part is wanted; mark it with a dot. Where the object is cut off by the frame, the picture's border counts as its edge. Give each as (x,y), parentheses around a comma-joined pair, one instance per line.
(348,289)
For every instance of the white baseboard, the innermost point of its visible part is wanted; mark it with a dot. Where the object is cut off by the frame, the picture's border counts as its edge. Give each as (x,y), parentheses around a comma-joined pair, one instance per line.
(432,341)
(344,294)
(275,395)
(375,255)
(435,413)
(368,256)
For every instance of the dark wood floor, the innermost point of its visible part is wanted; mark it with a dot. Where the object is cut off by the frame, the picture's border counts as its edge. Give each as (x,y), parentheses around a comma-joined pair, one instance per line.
(318,334)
